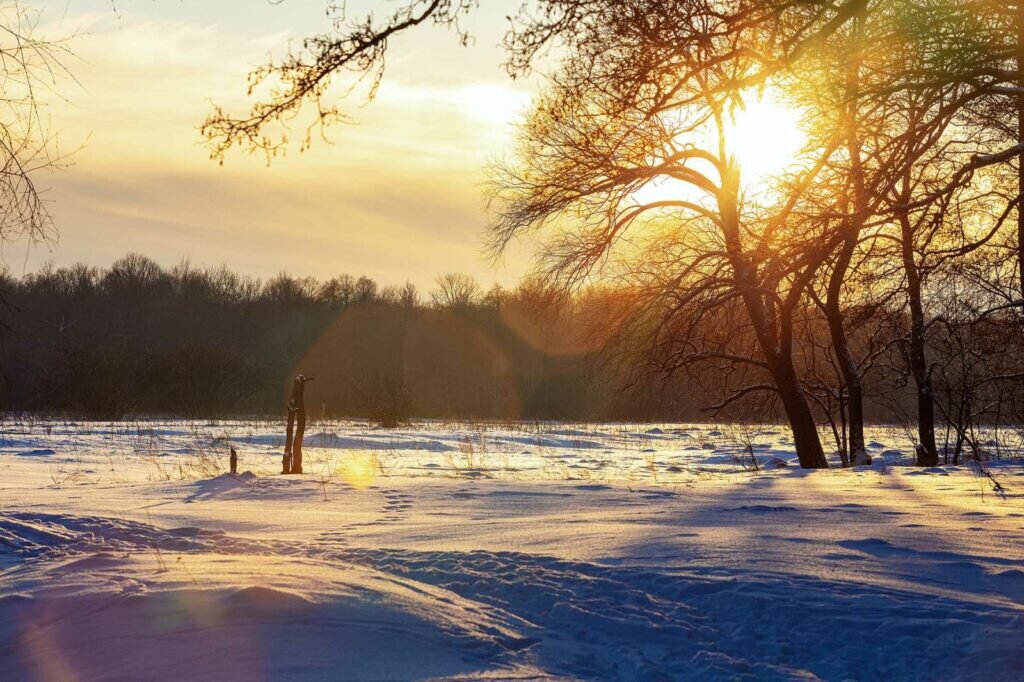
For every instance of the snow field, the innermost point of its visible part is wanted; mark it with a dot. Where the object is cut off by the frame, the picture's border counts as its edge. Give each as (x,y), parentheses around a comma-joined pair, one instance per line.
(604,552)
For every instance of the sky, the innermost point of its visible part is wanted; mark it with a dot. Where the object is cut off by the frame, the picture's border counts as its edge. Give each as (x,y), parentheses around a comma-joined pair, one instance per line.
(397,196)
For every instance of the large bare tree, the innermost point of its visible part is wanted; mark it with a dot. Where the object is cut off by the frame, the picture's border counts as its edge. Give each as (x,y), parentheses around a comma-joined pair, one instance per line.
(31,66)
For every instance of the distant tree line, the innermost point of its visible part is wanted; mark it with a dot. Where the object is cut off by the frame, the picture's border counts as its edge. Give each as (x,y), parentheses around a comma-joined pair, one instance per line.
(137,338)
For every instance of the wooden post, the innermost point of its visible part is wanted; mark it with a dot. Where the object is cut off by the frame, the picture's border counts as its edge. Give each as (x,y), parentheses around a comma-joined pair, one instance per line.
(234,461)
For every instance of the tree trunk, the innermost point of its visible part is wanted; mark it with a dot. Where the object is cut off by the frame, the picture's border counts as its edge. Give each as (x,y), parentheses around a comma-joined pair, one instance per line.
(801,420)
(929,456)
(852,227)
(855,406)
(841,347)
(772,326)
(1020,139)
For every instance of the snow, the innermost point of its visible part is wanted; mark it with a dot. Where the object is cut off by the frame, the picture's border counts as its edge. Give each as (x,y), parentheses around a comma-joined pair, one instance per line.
(503,552)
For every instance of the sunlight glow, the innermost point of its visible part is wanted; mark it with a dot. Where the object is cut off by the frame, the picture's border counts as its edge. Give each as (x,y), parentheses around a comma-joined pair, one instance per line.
(359,470)
(765,138)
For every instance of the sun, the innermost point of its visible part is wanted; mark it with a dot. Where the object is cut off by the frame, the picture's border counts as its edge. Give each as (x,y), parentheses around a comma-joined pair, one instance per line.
(765,138)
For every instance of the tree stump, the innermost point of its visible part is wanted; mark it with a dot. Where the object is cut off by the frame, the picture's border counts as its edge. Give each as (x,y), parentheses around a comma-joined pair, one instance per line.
(292,461)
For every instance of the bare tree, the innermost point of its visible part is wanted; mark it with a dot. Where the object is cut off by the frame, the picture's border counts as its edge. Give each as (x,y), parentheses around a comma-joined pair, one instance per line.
(30,68)
(455,291)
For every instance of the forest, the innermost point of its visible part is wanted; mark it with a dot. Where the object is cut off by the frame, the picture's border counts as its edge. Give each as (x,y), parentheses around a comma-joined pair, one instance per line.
(137,339)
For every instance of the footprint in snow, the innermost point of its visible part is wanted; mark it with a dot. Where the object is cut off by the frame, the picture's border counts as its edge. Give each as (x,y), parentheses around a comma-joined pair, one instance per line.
(335,537)
(396,505)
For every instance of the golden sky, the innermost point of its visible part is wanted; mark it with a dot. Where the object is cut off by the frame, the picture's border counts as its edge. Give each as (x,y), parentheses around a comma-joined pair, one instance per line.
(396,197)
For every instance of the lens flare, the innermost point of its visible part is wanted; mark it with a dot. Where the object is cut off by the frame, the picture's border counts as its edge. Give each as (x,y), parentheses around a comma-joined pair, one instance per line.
(358,470)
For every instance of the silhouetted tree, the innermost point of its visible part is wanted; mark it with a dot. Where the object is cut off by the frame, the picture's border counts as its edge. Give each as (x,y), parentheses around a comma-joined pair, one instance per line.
(455,292)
